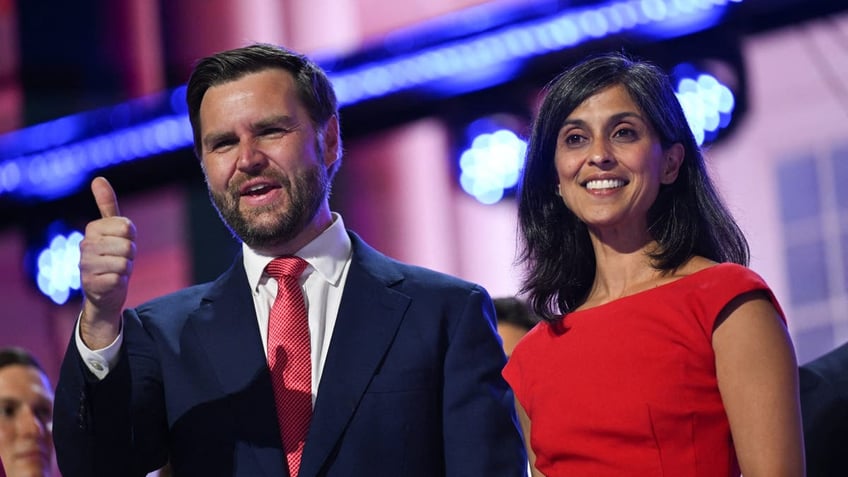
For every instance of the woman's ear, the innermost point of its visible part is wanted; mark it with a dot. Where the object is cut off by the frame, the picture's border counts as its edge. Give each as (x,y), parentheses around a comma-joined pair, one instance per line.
(673,161)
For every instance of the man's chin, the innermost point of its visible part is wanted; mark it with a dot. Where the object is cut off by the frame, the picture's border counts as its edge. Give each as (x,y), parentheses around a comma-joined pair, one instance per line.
(264,238)
(260,243)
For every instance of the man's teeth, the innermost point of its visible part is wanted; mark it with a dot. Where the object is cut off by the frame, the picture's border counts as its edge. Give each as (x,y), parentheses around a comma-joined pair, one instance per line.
(604,184)
(255,189)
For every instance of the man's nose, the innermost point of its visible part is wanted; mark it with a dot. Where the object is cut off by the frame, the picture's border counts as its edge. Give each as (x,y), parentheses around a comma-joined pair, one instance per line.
(251,158)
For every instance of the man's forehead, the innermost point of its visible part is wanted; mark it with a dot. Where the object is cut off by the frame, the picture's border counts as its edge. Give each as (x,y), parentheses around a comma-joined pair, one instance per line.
(25,393)
(15,379)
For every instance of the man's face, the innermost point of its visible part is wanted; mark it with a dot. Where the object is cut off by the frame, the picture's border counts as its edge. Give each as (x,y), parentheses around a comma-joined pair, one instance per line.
(264,161)
(26,421)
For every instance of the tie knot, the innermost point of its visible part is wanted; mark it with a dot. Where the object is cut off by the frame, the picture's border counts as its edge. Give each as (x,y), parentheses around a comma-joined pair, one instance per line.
(288,266)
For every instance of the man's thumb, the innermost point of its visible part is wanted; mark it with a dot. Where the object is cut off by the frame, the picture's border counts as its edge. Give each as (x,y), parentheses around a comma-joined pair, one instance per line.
(105,197)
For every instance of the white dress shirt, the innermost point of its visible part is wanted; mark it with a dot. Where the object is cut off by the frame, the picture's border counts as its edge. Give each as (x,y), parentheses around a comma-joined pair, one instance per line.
(323,281)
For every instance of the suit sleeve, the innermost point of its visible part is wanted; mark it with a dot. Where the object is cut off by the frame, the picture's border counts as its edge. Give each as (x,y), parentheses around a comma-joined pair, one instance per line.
(115,426)
(481,430)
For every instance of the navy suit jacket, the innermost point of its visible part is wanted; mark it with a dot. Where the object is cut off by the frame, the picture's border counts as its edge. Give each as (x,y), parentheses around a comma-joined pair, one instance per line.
(411,386)
(824,408)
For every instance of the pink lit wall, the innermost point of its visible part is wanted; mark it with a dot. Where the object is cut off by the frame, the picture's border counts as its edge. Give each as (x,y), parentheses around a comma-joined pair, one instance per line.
(798,108)
(11,98)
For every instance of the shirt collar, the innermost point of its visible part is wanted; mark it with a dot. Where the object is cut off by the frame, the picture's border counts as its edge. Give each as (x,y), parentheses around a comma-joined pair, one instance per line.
(327,254)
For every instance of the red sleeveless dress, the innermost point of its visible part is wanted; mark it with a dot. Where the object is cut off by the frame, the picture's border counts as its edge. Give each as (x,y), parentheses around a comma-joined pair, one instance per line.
(629,387)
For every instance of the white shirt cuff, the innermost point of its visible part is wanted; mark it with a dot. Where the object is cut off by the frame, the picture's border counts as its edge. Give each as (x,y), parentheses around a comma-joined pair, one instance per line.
(100,361)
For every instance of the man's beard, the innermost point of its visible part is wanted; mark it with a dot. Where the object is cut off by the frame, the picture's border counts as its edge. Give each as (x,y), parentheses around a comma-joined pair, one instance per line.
(309,191)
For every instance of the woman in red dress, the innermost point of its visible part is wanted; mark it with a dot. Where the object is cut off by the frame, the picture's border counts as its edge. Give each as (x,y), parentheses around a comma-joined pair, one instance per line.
(661,353)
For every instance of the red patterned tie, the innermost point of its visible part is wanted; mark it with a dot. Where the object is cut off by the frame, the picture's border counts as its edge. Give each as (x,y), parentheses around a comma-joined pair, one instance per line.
(289,357)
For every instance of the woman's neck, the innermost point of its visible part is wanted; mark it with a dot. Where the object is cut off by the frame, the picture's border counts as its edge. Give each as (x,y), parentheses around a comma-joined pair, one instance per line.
(621,271)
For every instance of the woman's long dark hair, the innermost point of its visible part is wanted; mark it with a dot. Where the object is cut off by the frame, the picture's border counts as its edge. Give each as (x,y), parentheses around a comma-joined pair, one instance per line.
(688,217)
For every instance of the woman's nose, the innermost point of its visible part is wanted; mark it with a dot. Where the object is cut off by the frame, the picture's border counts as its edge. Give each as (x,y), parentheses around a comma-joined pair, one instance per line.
(600,154)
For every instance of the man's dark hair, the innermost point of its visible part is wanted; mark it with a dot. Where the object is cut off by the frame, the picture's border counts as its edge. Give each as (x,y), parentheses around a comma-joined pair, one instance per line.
(14,355)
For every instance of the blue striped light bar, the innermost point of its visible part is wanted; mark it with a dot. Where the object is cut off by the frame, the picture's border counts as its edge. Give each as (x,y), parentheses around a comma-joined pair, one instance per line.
(656,18)
(51,160)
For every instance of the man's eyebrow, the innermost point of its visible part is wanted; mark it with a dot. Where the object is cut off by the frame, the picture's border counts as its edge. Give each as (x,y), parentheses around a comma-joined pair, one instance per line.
(213,138)
(274,120)
(282,120)
(279,120)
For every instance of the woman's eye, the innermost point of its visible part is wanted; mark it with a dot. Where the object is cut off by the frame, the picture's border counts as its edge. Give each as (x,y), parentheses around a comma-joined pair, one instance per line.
(573,139)
(624,133)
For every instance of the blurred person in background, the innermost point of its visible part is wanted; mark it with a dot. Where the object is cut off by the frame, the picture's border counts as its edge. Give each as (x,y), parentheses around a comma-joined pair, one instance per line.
(515,319)
(26,415)
(824,407)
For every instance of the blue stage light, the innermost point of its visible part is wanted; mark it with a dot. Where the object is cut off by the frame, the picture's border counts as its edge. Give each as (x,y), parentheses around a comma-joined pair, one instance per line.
(707,103)
(492,163)
(57,267)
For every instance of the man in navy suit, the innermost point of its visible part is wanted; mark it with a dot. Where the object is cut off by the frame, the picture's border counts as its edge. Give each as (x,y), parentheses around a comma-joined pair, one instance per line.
(405,361)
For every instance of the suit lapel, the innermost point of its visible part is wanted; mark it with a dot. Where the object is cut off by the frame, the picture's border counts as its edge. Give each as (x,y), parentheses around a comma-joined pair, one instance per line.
(369,315)
(226,327)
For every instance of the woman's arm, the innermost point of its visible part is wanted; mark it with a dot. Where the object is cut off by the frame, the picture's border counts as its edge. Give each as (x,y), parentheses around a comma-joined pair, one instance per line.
(758,381)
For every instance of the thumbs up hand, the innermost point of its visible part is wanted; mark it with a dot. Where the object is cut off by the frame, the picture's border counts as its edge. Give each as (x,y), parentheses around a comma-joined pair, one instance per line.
(106,262)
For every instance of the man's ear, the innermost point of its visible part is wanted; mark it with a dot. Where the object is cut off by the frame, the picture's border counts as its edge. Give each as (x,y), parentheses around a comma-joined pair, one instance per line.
(673,161)
(332,143)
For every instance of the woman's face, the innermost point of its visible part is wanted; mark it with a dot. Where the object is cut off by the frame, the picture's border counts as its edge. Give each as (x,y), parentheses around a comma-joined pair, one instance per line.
(610,164)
